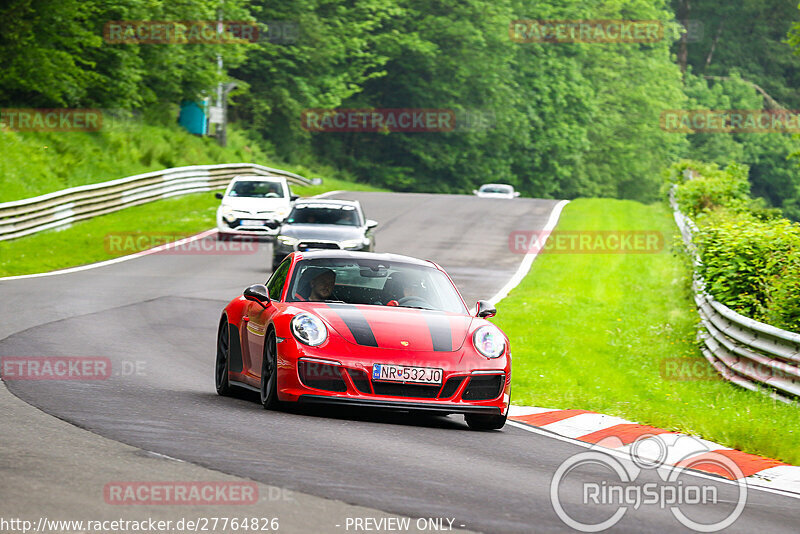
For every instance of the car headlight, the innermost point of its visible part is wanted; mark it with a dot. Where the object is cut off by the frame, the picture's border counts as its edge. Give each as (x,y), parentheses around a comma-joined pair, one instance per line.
(288,241)
(488,340)
(279,214)
(309,329)
(227,213)
(353,243)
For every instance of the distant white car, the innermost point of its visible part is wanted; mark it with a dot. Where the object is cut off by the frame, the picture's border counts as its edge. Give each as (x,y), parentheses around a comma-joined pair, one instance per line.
(496,191)
(250,202)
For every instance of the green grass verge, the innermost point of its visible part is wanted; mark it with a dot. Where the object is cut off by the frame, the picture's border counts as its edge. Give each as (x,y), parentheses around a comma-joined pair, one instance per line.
(85,241)
(598,332)
(35,163)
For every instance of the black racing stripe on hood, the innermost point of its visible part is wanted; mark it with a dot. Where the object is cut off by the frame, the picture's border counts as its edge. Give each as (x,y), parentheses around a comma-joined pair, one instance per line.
(441,332)
(357,323)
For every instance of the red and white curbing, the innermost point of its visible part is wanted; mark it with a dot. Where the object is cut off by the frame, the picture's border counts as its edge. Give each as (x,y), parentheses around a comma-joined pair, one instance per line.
(650,443)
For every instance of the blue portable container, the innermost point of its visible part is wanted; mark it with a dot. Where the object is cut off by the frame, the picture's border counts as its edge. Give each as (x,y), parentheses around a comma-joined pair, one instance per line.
(193,117)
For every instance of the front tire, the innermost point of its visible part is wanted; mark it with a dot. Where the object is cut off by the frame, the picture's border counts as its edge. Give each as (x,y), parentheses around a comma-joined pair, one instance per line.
(485,422)
(222,363)
(269,373)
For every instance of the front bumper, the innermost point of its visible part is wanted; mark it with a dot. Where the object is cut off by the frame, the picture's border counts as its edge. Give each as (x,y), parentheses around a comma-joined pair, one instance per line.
(341,375)
(236,226)
(442,408)
(227,229)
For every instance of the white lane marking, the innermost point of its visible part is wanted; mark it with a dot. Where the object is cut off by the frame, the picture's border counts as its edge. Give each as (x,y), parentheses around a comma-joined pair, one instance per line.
(782,477)
(525,266)
(162,456)
(583,424)
(132,256)
(752,484)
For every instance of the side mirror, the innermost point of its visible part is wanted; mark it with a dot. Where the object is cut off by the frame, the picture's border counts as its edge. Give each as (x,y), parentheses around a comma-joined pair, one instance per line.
(316,181)
(371,224)
(257,293)
(218,195)
(485,309)
(474,191)
(516,194)
(294,197)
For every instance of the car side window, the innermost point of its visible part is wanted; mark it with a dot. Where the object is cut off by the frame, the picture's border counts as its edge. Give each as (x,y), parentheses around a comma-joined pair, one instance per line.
(277,280)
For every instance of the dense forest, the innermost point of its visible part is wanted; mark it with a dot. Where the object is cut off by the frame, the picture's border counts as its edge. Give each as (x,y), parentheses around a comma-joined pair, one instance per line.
(556,119)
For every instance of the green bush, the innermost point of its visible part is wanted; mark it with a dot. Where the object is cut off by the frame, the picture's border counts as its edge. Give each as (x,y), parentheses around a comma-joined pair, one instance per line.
(752,266)
(750,257)
(712,188)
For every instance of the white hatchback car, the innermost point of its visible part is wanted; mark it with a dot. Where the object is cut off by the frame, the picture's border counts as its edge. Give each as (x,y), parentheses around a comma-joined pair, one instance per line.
(250,201)
(496,191)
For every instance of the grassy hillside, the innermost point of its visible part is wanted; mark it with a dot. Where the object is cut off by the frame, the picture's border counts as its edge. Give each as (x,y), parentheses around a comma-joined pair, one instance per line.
(34,163)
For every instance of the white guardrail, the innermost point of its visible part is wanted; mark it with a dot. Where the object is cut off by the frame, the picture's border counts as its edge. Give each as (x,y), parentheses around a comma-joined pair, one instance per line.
(748,353)
(62,208)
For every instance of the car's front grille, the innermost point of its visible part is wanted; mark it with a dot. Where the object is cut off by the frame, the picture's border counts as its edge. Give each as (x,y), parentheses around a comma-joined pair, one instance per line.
(486,387)
(330,377)
(238,224)
(417,391)
(310,245)
(321,376)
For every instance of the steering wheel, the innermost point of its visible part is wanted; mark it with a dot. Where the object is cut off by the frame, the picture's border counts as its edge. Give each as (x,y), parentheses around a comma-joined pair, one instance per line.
(414,301)
(271,195)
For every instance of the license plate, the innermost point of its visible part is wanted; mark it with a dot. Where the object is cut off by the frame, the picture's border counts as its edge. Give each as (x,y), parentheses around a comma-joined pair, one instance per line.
(251,222)
(404,373)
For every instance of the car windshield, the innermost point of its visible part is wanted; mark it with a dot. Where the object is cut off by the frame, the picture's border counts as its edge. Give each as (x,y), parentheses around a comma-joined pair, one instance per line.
(374,282)
(257,189)
(504,189)
(345,215)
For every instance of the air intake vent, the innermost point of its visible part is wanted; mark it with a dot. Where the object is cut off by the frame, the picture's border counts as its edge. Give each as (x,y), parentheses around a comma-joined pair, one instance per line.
(451,386)
(486,387)
(321,376)
(360,379)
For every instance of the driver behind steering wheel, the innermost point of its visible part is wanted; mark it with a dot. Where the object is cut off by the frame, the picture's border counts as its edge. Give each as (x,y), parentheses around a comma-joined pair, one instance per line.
(406,290)
(273,191)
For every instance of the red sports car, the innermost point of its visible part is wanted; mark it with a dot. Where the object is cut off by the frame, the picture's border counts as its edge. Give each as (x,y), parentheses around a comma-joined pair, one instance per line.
(365,329)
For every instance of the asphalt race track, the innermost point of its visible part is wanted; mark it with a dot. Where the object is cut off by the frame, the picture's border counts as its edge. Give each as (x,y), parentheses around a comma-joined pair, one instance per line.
(155,318)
